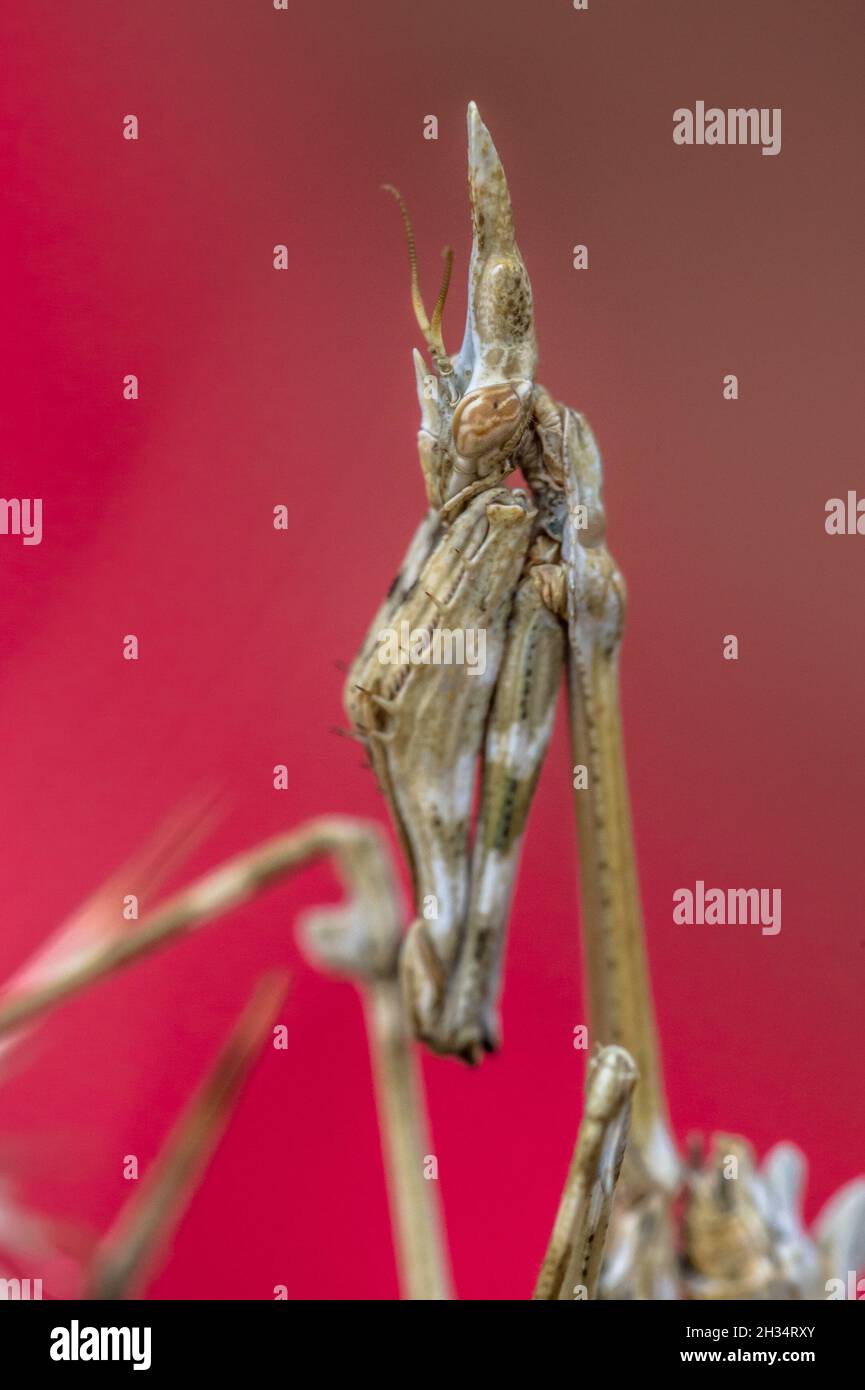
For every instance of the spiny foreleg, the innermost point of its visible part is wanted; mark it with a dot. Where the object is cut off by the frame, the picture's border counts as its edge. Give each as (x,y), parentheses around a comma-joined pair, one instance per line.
(518,732)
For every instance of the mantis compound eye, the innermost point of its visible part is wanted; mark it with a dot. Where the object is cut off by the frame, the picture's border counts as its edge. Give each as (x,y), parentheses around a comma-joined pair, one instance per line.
(489,420)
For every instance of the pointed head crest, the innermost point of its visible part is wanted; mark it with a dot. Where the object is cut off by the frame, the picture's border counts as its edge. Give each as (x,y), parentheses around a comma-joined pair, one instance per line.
(499,343)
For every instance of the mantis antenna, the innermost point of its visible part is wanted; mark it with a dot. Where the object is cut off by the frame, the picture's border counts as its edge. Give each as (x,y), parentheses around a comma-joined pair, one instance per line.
(431,328)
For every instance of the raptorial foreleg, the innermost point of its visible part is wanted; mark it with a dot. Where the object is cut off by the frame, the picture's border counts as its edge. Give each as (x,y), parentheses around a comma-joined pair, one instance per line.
(518,732)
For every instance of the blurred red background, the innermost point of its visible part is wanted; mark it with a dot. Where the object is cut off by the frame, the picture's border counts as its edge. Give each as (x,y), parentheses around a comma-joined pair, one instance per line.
(261,387)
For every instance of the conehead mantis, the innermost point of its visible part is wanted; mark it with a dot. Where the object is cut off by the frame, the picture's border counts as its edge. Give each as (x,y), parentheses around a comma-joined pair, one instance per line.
(528,568)
(531,567)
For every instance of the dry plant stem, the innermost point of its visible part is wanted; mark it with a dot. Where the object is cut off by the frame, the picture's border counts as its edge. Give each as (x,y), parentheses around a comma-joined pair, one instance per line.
(576,1248)
(231,884)
(126,1256)
(415,1209)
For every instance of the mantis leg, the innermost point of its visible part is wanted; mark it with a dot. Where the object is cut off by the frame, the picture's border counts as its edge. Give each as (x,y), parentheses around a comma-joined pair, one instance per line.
(620,999)
(421,547)
(572,1265)
(424,720)
(360,940)
(518,732)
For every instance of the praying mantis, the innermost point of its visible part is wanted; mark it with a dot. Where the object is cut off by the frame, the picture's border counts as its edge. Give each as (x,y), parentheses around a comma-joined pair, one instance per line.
(530,566)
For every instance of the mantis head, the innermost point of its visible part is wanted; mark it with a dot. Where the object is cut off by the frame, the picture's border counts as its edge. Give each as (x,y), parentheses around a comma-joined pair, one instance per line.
(476,407)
